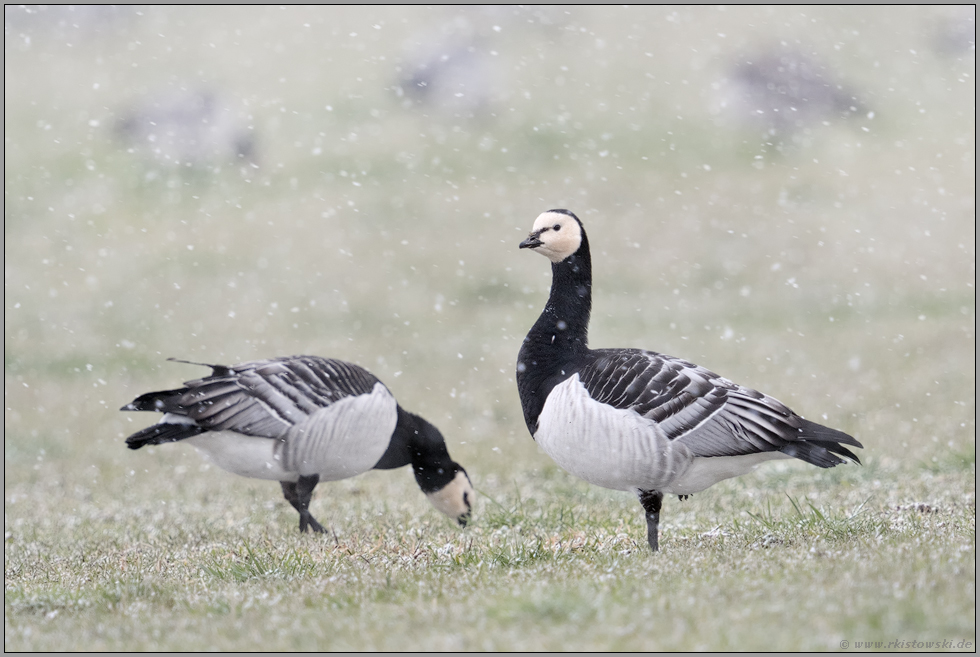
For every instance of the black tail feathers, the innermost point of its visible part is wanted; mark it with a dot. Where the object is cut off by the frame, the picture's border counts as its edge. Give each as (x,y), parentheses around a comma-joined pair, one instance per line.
(164,432)
(821,446)
(162,401)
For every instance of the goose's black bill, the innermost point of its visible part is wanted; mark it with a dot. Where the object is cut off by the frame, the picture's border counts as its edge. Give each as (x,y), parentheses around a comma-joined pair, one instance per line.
(533,241)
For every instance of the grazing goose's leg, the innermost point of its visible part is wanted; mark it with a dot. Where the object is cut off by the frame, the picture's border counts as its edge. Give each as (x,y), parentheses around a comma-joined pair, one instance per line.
(651,501)
(298,494)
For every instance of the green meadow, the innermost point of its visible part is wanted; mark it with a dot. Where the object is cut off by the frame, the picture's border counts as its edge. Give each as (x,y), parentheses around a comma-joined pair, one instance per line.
(360,190)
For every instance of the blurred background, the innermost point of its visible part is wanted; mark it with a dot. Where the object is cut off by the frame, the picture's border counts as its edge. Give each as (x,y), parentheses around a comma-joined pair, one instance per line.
(785,195)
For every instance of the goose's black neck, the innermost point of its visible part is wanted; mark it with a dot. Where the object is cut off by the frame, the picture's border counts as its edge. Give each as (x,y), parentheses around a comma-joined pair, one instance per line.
(420,443)
(560,335)
(563,327)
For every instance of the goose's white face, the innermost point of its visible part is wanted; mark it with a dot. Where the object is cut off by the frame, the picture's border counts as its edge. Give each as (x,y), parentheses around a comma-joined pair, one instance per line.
(555,235)
(455,499)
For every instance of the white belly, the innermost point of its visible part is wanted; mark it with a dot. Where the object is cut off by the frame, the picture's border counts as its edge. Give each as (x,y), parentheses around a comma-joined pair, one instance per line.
(247,456)
(342,440)
(606,446)
(708,471)
(619,449)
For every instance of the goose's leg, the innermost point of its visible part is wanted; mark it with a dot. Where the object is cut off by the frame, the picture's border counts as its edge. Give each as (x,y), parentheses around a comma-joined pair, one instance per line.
(652,501)
(299,494)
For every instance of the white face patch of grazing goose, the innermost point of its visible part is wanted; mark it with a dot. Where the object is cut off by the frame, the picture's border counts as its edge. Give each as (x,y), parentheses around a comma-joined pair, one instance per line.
(455,499)
(559,234)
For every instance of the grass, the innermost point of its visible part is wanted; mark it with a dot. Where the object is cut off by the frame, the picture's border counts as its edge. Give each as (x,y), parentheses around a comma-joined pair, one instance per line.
(833,267)
(539,576)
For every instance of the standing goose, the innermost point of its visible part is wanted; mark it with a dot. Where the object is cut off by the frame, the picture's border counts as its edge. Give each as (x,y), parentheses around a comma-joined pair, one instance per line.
(300,420)
(636,420)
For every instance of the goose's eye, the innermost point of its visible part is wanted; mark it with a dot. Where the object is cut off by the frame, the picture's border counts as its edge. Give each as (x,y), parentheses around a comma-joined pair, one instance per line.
(556,227)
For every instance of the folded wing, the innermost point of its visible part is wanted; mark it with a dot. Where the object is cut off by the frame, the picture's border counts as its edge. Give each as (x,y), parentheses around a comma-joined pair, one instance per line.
(707,413)
(260,398)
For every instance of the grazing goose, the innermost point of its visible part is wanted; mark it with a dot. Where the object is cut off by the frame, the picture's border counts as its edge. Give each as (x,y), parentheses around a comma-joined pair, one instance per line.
(300,420)
(636,420)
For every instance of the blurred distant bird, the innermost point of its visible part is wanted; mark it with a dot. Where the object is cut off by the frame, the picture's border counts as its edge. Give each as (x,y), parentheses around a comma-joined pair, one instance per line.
(455,67)
(955,35)
(637,420)
(783,90)
(187,128)
(300,420)
(456,79)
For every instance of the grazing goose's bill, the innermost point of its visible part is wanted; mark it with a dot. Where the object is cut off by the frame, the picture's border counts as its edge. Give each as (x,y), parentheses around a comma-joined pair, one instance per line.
(300,420)
(636,420)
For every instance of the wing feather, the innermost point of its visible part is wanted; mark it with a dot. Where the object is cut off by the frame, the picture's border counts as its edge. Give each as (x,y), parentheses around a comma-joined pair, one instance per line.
(707,413)
(267,398)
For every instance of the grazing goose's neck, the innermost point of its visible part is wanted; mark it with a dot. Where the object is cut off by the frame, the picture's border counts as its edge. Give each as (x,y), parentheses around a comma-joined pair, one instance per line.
(443,481)
(563,327)
(418,442)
